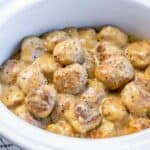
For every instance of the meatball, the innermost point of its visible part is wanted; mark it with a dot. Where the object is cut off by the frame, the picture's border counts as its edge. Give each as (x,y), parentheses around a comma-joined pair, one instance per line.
(106,50)
(23,113)
(64,102)
(95,91)
(71,79)
(113,110)
(32,48)
(83,116)
(113,35)
(72,32)
(68,52)
(40,102)
(30,78)
(139,54)
(114,72)
(91,61)
(53,38)
(89,37)
(47,65)
(61,127)
(12,96)
(10,70)
(136,99)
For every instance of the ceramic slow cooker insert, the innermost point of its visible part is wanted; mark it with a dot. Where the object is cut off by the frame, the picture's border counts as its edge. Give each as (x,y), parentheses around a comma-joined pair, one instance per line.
(19,19)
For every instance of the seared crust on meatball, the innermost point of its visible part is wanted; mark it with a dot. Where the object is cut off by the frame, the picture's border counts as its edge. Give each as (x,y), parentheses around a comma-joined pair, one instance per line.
(83,116)
(106,49)
(68,52)
(30,78)
(113,35)
(139,54)
(40,102)
(114,72)
(71,79)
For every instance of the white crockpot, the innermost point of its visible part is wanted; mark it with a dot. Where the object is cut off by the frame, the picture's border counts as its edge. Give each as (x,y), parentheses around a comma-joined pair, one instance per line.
(19,18)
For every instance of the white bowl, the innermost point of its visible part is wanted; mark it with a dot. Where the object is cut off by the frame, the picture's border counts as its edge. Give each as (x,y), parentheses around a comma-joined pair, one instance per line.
(21,18)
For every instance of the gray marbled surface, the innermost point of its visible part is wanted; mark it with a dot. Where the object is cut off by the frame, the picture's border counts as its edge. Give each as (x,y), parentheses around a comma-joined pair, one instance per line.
(7,145)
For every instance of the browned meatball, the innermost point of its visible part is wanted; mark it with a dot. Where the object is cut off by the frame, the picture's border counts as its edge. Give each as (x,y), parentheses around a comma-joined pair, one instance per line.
(53,38)
(47,65)
(136,96)
(107,49)
(83,116)
(89,37)
(40,102)
(114,110)
(139,54)
(134,99)
(113,35)
(95,91)
(68,52)
(10,70)
(11,95)
(71,79)
(30,78)
(32,48)
(114,72)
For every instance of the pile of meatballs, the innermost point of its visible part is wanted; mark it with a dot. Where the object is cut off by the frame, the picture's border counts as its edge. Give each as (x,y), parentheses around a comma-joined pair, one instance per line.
(80,82)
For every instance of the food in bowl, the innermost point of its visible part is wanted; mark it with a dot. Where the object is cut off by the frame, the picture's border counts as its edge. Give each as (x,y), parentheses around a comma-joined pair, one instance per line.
(80,82)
